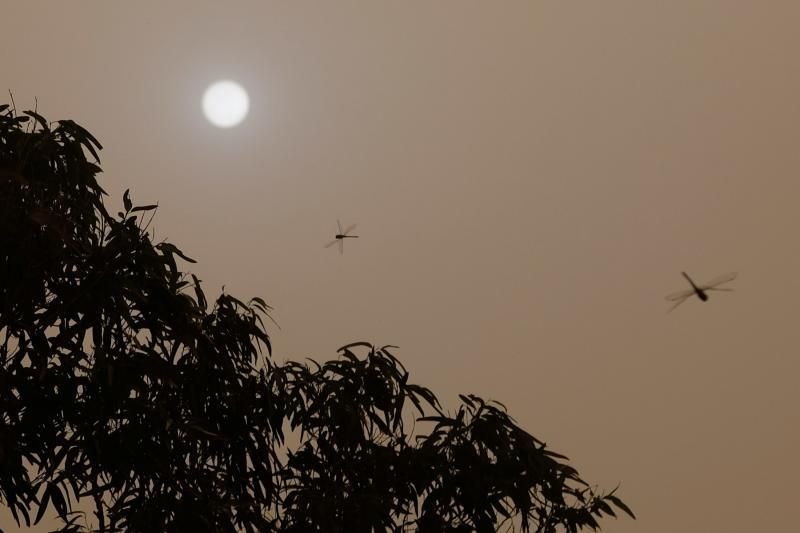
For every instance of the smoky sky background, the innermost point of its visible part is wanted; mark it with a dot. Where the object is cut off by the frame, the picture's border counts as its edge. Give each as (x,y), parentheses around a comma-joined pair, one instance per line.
(529,179)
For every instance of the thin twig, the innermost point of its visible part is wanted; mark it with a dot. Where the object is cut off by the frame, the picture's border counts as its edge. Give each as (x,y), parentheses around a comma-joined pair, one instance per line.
(101,519)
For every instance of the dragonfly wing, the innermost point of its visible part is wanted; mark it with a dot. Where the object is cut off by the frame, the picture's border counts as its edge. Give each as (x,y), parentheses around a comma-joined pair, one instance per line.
(719,280)
(680,295)
(679,302)
(331,243)
(350,228)
(341,246)
(339,225)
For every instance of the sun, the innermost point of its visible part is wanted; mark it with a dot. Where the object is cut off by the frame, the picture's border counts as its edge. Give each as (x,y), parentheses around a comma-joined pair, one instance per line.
(225,103)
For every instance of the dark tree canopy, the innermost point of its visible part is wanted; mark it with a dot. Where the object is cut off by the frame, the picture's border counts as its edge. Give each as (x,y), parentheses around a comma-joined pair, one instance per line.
(122,389)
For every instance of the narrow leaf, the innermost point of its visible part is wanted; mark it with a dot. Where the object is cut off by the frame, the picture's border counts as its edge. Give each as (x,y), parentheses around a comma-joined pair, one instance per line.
(126,200)
(621,505)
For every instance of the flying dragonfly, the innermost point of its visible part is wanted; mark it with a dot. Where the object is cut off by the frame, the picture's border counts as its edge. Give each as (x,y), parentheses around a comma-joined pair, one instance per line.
(700,290)
(341,236)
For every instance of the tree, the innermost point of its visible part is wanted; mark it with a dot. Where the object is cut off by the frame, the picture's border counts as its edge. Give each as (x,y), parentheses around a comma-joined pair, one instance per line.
(122,386)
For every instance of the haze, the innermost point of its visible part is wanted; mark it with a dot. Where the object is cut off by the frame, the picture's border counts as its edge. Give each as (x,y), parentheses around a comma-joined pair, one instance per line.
(529,179)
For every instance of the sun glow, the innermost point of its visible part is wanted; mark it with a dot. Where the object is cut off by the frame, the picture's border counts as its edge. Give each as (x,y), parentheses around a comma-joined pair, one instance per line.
(225,104)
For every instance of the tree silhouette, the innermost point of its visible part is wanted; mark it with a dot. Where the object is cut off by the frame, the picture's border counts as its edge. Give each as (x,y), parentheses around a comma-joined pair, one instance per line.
(123,387)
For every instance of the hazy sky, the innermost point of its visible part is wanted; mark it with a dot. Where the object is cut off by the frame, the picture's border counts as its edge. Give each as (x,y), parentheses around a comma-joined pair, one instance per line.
(529,179)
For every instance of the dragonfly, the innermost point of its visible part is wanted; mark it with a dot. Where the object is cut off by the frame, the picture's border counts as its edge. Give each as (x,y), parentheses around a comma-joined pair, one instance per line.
(700,290)
(341,236)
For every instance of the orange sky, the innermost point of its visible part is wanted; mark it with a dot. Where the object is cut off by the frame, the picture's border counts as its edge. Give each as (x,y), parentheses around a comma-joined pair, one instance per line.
(529,179)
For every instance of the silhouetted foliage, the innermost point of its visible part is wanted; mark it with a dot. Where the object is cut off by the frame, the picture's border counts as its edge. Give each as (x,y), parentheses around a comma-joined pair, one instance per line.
(122,386)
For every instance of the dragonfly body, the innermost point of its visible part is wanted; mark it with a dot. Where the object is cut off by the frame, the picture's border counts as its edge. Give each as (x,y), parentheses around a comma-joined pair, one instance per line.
(697,290)
(341,236)
(701,291)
